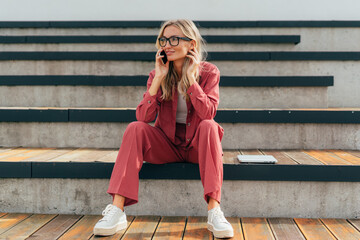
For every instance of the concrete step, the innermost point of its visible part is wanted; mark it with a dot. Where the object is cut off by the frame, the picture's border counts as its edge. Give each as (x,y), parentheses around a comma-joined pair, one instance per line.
(333,33)
(342,94)
(244,128)
(72,177)
(127,91)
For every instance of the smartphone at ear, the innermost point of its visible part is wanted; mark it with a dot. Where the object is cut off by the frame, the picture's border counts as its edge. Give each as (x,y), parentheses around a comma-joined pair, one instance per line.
(164,59)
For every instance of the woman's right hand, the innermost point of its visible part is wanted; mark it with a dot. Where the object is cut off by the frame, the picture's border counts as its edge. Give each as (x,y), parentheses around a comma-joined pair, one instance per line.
(161,69)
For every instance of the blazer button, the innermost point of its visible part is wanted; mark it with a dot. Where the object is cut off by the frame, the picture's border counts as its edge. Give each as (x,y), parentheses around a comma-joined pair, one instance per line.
(191,93)
(188,140)
(189,111)
(149,101)
(188,124)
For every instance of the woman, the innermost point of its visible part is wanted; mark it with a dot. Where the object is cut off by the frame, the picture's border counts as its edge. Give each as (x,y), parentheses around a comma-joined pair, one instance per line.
(184,92)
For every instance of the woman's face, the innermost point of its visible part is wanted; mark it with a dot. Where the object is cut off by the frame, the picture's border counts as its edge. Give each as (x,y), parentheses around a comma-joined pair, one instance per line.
(178,52)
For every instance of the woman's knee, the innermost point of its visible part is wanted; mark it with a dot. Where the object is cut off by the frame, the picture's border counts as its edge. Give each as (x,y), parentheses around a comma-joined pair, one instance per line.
(136,127)
(208,124)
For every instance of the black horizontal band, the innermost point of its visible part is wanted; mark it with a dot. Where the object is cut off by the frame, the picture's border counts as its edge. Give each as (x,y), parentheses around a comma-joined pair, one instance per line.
(222,116)
(214,56)
(183,171)
(295,39)
(157,24)
(140,80)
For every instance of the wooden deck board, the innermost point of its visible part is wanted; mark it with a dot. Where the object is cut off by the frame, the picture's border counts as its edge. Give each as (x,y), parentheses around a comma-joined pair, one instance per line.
(27,227)
(196,228)
(302,158)
(280,156)
(285,229)
(55,228)
(170,228)
(10,220)
(286,157)
(83,229)
(313,229)
(143,227)
(341,229)
(256,229)
(327,158)
(43,226)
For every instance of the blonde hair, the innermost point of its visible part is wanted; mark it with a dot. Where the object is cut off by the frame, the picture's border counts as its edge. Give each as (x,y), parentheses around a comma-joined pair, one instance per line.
(189,29)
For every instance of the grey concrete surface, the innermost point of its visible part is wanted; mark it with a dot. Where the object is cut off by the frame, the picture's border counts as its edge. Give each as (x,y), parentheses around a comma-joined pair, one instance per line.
(344,93)
(236,136)
(125,96)
(312,39)
(185,198)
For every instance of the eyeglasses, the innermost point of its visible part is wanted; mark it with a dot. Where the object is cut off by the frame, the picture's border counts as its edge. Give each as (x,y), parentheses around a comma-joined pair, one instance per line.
(174,41)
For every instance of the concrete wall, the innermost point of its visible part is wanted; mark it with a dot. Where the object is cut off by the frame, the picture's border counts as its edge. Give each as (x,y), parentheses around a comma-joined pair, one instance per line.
(185,198)
(160,10)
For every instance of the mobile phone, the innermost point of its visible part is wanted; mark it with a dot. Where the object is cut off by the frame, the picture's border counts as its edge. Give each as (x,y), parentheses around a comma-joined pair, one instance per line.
(164,59)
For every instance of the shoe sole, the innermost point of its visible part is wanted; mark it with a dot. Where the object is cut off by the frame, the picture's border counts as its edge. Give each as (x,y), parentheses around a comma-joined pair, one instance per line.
(110,231)
(220,234)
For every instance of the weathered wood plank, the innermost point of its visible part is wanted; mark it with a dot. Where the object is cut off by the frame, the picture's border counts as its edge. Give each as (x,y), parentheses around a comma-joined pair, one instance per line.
(355,223)
(341,229)
(6,149)
(57,227)
(235,223)
(13,152)
(347,156)
(256,229)
(25,155)
(143,227)
(170,228)
(251,152)
(230,157)
(280,156)
(118,235)
(83,229)
(285,229)
(27,227)
(81,155)
(47,156)
(10,220)
(111,157)
(302,158)
(196,228)
(326,158)
(2,214)
(354,152)
(313,229)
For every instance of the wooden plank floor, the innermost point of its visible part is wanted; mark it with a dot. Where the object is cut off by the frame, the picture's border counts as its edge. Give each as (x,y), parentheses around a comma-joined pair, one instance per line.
(70,227)
(293,157)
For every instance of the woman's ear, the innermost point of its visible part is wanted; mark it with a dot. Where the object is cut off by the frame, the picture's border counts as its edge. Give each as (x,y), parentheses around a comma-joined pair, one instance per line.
(193,44)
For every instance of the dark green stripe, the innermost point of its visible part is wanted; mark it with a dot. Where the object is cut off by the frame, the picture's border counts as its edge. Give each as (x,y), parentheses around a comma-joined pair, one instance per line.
(146,39)
(184,171)
(222,116)
(214,56)
(225,81)
(157,24)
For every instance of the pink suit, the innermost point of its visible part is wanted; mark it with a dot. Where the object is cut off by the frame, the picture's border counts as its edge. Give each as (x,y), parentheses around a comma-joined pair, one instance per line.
(197,141)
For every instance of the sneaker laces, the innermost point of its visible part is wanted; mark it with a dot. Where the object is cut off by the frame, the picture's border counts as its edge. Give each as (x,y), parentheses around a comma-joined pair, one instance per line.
(108,213)
(218,214)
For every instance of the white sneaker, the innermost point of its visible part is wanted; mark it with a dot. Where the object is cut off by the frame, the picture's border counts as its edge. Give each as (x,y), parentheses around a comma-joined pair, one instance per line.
(218,224)
(114,220)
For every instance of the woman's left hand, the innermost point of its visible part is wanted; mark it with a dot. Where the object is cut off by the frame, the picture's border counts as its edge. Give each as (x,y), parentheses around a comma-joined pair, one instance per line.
(194,65)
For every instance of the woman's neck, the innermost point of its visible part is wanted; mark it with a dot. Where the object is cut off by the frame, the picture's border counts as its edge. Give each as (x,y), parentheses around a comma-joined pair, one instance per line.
(178,67)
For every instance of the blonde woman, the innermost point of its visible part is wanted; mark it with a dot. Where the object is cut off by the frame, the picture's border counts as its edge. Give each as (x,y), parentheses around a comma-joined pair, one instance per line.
(184,92)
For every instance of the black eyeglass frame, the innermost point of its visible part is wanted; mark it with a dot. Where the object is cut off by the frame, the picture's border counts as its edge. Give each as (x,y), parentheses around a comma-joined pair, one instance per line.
(168,40)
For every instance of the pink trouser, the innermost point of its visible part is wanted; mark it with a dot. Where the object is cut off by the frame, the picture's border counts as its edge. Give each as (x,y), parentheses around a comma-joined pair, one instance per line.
(143,142)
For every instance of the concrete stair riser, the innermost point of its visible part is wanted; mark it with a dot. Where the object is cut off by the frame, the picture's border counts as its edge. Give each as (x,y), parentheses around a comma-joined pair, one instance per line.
(126,96)
(184,197)
(312,39)
(237,136)
(343,94)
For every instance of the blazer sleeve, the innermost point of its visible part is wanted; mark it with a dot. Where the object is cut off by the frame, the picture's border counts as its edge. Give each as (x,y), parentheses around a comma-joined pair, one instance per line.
(206,100)
(149,106)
